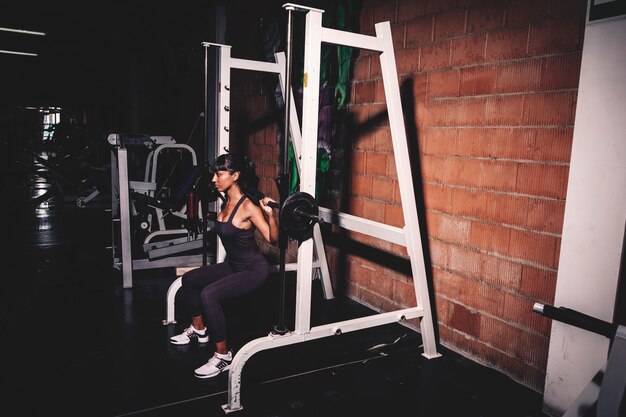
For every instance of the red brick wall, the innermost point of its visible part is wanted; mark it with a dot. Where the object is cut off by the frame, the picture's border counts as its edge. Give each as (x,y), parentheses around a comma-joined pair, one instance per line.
(494,89)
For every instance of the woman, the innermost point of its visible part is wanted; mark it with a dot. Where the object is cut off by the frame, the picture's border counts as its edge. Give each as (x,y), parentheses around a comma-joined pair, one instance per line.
(245,267)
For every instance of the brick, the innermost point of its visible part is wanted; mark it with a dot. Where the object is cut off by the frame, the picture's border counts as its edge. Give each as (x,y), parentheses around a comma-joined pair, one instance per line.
(557,252)
(462,171)
(449,24)
(404,293)
(355,206)
(539,144)
(498,175)
(379,91)
(376,163)
(478,80)
(493,330)
(410,9)
(382,188)
(382,139)
(363,92)
(460,289)
(519,310)
(477,142)
(488,299)
(560,71)
(371,299)
(486,16)
(509,274)
(432,168)
(398,35)
(374,210)
(466,202)
(437,197)
(385,11)
(577,8)
(361,69)
(465,320)
(552,145)
(435,56)
(539,284)
(375,70)
(464,261)
(440,141)
(440,309)
(361,185)
(393,215)
(533,247)
(360,274)
(532,349)
(550,109)
(489,237)
(471,112)
(556,35)
(506,209)
(506,44)
(507,110)
(519,76)
(391,166)
(520,13)
(439,253)
(418,83)
(395,188)
(358,162)
(468,50)
(451,229)
(433,6)
(367,20)
(543,180)
(443,83)
(419,31)
(407,61)
(545,215)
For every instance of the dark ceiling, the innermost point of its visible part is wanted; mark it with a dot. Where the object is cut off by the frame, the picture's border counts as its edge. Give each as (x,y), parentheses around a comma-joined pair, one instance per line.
(83,41)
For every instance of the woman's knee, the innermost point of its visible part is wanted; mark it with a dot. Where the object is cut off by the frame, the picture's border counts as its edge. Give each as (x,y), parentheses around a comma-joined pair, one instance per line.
(209,296)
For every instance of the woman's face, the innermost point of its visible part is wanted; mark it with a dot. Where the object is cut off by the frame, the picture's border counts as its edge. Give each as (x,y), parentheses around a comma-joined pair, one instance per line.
(223,180)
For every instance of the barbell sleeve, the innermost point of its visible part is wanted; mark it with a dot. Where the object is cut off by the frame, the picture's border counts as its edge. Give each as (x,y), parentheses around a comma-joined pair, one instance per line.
(312,217)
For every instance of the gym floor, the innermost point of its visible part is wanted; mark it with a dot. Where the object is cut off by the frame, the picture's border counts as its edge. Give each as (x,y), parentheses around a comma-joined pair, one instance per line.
(75,343)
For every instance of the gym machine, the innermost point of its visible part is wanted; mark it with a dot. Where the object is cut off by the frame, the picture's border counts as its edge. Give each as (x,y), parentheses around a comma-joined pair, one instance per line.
(145,205)
(604,395)
(408,236)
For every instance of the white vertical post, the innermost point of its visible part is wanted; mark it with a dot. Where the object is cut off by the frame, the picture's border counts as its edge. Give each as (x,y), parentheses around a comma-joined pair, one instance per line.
(405,182)
(308,162)
(296,141)
(223,121)
(125,239)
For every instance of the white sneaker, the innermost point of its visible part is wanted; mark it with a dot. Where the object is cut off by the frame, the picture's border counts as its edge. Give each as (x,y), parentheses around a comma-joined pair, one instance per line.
(215,366)
(189,335)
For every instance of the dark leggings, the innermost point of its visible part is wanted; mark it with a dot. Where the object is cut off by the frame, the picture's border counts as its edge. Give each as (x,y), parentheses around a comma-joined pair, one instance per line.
(206,287)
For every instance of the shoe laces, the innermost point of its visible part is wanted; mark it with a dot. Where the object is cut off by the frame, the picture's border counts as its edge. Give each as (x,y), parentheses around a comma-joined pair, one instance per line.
(189,331)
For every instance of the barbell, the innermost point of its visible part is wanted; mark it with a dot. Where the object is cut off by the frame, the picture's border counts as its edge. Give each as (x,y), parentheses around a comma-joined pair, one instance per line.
(298,215)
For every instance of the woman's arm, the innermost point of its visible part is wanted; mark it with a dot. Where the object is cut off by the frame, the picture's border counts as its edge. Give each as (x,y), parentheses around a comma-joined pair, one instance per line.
(263,219)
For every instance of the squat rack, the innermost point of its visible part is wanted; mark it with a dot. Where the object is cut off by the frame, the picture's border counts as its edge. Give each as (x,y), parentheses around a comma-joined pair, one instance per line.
(408,236)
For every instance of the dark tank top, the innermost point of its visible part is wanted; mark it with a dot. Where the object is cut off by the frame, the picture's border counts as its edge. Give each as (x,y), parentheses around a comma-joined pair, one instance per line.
(242,251)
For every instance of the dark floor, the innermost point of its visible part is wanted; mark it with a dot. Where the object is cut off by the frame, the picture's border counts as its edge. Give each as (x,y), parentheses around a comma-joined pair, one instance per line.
(75,343)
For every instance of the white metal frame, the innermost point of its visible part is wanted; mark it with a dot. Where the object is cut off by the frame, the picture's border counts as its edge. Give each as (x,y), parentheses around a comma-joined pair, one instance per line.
(228,63)
(409,236)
